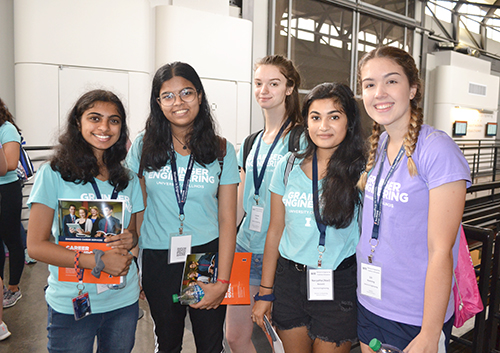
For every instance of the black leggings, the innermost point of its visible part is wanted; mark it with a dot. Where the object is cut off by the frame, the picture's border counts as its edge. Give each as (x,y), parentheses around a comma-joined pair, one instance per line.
(10,230)
(160,280)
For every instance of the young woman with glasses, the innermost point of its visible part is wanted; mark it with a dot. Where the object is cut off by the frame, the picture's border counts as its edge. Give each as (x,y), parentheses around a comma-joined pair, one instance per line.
(191,202)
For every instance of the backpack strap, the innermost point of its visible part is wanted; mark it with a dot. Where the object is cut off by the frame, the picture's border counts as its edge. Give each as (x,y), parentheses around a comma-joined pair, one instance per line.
(221,153)
(289,166)
(294,139)
(249,141)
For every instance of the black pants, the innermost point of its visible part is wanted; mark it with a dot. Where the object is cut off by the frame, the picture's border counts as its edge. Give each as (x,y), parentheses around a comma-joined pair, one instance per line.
(160,280)
(10,230)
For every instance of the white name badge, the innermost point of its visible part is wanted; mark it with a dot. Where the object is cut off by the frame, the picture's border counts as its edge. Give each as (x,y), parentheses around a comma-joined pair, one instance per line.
(371,280)
(319,284)
(256,218)
(180,247)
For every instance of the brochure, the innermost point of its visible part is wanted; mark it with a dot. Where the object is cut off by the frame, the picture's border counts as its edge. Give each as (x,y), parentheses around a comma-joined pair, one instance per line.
(203,267)
(273,337)
(86,237)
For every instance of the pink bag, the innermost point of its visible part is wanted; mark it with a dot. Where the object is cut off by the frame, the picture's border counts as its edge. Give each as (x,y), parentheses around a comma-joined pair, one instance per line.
(465,290)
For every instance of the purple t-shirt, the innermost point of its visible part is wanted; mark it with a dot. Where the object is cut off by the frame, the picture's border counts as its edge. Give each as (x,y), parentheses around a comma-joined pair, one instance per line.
(402,249)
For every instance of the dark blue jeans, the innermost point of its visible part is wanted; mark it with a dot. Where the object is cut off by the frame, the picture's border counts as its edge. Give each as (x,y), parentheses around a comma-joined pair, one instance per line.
(114,330)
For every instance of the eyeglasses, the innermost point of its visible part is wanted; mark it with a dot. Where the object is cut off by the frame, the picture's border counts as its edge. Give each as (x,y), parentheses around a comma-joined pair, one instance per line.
(187,95)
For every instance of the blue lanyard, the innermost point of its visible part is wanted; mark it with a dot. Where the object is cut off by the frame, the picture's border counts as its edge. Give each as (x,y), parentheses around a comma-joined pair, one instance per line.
(259,177)
(114,195)
(181,195)
(319,221)
(378,197)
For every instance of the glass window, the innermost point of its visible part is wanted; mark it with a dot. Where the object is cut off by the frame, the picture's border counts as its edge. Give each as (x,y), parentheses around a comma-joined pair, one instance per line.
(442,9)
(397,6)
(474,16)
(321,35)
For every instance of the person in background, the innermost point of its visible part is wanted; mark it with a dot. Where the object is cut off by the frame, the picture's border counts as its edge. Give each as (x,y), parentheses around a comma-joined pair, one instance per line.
(11,205)
(69,218)
(4,330)
(276,89)
(314,230)
(97,130)
(95,217)
(189,176)
(84,222)
(415,184)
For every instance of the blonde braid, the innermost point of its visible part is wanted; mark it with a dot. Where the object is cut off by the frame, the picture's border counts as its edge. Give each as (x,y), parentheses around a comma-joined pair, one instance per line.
(374,138)
(411,137)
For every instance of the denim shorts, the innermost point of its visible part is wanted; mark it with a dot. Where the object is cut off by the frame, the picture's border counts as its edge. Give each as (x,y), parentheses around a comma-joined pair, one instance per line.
(330,321)
(115,331)
(255,268)
(395,333)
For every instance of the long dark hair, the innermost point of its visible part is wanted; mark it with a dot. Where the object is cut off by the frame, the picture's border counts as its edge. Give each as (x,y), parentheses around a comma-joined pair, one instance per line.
(201,140)
(74,158)
(292,101)
(340,195)
(5,115)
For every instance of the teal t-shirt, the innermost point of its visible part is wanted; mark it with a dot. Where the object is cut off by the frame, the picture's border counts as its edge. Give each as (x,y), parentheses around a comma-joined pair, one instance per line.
(161,217)
(248,239)
(48,188)
(8,133)
(300,238)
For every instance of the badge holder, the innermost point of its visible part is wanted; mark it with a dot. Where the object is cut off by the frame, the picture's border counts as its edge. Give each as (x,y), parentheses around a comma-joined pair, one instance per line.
(81,303)
(256,216)
(320,281)
(180,244)
(371,275)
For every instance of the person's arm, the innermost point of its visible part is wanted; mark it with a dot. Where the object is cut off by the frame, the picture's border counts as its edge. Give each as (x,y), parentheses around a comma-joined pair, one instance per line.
(240,211)
(11,150)
(446,205)
(117,261)
(215,292)
(271,255)
(3,162)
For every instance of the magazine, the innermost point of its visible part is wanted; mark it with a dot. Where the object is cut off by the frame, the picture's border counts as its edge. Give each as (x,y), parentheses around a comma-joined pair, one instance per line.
(90,234)
(203,267)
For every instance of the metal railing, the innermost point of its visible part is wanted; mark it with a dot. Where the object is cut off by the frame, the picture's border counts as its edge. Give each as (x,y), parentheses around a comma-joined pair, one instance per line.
(482,156)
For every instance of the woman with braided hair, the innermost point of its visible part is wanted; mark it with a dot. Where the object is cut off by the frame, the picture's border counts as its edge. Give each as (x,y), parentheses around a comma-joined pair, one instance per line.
(415,183)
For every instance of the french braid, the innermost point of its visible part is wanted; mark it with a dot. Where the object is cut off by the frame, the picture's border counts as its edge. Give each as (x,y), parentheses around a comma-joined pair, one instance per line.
(374,138)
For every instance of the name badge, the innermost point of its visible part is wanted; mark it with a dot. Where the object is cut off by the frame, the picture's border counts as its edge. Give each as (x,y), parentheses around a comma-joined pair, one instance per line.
(180,247)
(256,218)
(319,284)
(81,306)
(371,280)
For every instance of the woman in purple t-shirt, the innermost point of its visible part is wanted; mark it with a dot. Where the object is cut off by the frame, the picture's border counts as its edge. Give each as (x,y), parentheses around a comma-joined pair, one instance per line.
(415,184)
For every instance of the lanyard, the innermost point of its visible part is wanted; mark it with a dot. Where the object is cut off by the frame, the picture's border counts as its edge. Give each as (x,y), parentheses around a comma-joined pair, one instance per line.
(114,195)
(378,196)
(259,177)
(181,195)
(319,222)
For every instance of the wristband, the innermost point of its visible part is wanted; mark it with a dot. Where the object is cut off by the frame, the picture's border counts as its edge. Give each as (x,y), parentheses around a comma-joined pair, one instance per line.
(266,298)
(99,264)
(222,281)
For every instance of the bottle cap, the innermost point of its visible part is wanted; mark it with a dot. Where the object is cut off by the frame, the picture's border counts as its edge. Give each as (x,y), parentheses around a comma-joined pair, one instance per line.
(175,298)
(375,344)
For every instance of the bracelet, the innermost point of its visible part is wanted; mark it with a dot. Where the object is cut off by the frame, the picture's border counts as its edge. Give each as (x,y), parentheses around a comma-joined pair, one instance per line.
(222,281)
(266,298)
(99,264)
(79,271)
(260,285)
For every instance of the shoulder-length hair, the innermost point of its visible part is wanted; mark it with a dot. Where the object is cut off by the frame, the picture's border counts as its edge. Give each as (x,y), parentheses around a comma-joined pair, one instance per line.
(340,195)
(5,115)
(202,140)
(74,158)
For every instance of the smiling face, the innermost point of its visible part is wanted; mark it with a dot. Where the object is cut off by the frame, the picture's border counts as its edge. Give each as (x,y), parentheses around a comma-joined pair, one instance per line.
(101,126)
(387,93)
(82,213)
(270,87)
(327,124)
(180,114)
(93,212)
